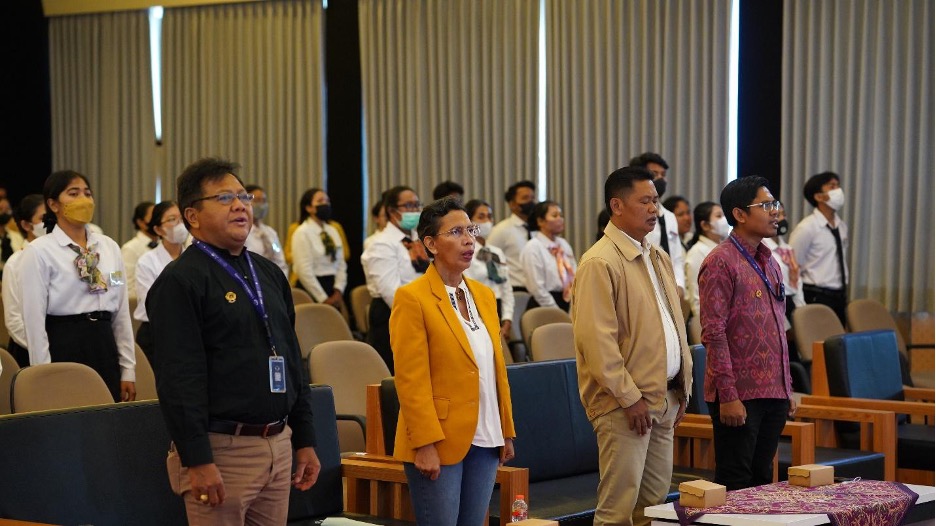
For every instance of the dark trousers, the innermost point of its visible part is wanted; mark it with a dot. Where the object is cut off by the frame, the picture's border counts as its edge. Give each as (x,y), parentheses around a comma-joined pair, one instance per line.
(326,282)
(378,330)
(834,299)
(744,455)
(88,342)
(19,353)
(557,295)
(144,338)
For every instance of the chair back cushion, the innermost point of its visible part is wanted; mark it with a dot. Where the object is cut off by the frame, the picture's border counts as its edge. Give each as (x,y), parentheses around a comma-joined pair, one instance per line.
(325,497)
(57,385)
(814,323)
(360,300)
(318,323)
(145,379)
(538,316)
(348,367)
(552,341)
(554,437)
(697,403)
(10,367)
(871,315)
(389,412)
(864,365)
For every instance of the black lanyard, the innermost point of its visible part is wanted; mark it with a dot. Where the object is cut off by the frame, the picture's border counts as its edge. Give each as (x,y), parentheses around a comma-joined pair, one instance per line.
(780,295)
(255,293)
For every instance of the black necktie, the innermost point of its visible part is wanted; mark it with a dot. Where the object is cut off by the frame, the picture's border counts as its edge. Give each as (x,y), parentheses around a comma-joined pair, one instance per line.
(529,232)
(839,253)
(6,248)
(664,242)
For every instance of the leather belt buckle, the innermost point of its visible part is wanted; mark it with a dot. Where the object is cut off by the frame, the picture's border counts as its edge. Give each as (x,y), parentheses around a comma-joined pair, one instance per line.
(266,429)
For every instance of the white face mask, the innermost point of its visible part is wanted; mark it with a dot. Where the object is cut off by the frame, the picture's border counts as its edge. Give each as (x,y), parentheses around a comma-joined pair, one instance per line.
(486,229)
(177,234)
(836,199)
(38,229)
(721,227)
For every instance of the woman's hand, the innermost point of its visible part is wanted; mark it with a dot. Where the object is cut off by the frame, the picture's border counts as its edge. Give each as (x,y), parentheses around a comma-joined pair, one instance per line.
(505,330)
(427,461)
(127,391)
(507,452)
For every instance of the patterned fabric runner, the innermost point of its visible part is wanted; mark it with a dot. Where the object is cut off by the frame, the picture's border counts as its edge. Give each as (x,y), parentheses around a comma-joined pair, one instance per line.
(864,502)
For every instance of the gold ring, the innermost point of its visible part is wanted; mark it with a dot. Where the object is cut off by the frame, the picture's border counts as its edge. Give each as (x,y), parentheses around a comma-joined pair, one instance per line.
(203,498)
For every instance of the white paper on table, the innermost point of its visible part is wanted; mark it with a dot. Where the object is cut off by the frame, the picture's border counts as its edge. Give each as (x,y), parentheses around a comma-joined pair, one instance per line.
(341,521)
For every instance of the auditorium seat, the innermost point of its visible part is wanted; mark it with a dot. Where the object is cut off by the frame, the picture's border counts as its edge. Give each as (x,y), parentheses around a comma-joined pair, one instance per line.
(537,316)
(57,385)
(552,341)
(10,367)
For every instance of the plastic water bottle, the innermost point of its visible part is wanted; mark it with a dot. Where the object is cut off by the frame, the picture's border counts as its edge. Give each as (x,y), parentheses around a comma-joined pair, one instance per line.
(518,510)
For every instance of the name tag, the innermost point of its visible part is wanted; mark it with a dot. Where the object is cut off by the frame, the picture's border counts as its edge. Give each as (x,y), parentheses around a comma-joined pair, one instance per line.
(277,374)
(116,278)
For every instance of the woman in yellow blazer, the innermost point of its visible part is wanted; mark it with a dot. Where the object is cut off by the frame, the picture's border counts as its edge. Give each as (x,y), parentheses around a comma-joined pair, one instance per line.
(456,424)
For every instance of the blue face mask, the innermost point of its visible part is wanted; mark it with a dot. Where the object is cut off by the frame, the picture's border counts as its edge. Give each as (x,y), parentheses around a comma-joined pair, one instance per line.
(409,220)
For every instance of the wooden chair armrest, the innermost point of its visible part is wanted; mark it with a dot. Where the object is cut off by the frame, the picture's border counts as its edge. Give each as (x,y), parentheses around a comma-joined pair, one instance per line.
(802,442)
(924,409)
(878,430)
(373,436)
(919,394)
(693,417)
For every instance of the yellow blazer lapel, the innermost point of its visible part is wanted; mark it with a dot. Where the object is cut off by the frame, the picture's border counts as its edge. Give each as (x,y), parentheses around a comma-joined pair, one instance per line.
(445,307)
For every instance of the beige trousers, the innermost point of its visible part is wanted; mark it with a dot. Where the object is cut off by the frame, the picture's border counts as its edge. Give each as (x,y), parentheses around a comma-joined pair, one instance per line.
(256,475)
(635,470)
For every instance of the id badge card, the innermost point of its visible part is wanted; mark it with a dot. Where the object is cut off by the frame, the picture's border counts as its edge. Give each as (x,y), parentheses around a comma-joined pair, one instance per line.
(277,374)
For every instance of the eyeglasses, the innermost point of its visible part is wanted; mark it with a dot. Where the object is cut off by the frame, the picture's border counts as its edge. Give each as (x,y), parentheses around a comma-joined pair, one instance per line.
(472,230)
(226,198)
(173,220)
(414,205)
(768,206)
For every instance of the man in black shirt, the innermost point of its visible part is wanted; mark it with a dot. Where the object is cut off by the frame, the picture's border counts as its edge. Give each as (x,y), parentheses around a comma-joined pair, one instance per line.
(227,363)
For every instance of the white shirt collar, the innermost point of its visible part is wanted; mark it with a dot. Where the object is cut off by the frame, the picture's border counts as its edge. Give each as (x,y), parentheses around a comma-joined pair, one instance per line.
(642,247)
(62,238)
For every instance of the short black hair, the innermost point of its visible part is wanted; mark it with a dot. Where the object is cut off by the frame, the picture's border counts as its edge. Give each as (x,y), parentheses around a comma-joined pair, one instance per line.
(375,210)
(392,196)
(159,210)
(673,200)
(815,183)
(539,212)
(446,188)
(740,193)
(26,209)
(604,217)
(511,192)
(54,185)
(189,184)
(472,206)
(646,158)
(432,215)
(251,188)
(304,201)
(139,212)
(622,180)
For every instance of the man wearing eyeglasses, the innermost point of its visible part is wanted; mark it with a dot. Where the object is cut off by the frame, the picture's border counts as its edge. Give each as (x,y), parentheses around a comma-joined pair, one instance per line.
(743,306)
(227,363)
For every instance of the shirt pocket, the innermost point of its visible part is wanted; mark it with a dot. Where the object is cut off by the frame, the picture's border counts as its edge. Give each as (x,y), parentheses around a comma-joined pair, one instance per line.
(441,407)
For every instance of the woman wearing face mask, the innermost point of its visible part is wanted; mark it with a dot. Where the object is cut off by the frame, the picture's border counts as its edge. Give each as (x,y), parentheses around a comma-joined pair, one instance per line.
(165,223)
(317,252)
(489,265)
(75,302)
(711,228)
(303,215)
(263,239)
(548,261)
(394,258)
(28,215)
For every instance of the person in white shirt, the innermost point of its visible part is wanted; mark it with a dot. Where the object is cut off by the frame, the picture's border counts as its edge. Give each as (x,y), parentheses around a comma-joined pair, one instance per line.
(141,243)
(263,239)
(681,208)
(785,257)
(166,223)
(379,217)
(28,215)
(75,302)
(317,253)
(548,261)
(512,233)
(489,265)
(394,258)
(711,228)
(10,239)
(666,220)
(820,242)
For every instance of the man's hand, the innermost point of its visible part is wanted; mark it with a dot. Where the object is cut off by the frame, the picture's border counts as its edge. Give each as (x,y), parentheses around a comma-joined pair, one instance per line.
(792,411)
(732,414)
(507,452)
(681,413)
(427,461)
(207,486)
(335,299)
(127,391)
(505,329)
(638,416)
(307,468)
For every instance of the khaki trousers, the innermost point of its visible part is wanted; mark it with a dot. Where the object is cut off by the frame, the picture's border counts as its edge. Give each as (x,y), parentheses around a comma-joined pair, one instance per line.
(256,476)
(635,470)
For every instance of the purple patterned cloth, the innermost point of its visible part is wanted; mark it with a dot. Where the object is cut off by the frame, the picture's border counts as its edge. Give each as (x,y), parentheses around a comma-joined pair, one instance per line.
(864,502)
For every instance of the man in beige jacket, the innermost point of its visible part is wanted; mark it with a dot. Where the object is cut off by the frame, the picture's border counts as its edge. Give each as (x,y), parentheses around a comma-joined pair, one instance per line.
(634,367)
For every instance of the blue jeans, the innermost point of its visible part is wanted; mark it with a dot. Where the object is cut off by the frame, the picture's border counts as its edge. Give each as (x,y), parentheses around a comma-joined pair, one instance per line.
(461,494)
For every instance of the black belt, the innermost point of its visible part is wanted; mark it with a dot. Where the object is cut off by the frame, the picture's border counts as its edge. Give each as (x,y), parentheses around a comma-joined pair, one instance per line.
(838,293)
(99,315)
(227,427)
(674,384)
